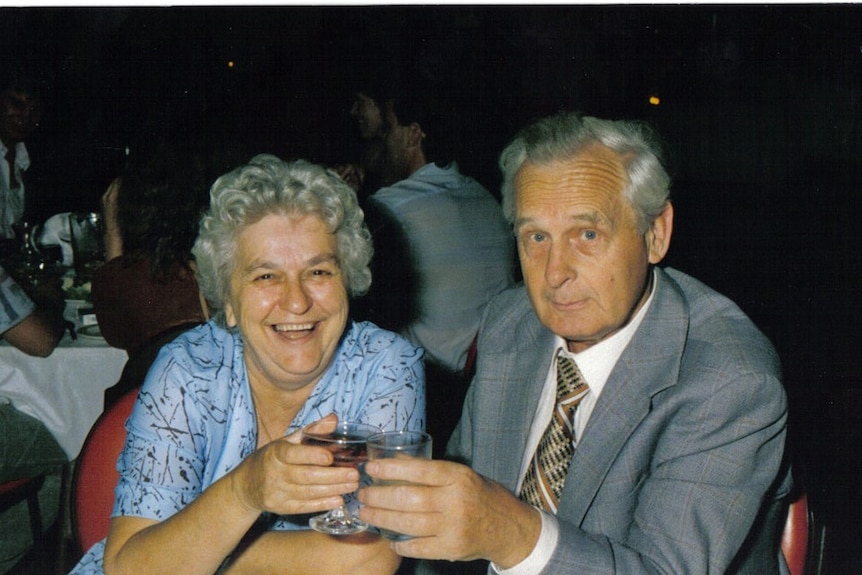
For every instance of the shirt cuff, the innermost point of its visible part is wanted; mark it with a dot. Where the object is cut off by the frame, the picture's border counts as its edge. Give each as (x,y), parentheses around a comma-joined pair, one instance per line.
(541,553)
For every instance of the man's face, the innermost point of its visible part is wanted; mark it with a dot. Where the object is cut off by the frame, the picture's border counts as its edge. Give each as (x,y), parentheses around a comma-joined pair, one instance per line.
(369,117)
(585,263)
(395,160)
(19,116)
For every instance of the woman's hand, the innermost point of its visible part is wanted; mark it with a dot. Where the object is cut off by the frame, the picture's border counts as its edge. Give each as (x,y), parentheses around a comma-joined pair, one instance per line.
(288,478)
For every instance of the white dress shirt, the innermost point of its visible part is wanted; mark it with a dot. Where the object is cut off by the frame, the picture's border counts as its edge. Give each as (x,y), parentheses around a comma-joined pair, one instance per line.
(12,200)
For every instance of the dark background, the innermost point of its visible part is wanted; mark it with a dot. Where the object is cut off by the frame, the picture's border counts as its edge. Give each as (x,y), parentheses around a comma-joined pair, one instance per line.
(759,108)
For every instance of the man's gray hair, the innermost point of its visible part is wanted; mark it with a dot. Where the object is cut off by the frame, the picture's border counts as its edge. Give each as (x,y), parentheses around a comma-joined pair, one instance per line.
(562,136)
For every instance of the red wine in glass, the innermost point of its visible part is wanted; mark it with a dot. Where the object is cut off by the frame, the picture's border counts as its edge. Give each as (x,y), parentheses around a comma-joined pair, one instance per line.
(347,444)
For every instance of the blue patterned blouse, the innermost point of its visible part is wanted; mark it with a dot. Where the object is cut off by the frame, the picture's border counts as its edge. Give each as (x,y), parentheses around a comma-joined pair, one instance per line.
(194,419)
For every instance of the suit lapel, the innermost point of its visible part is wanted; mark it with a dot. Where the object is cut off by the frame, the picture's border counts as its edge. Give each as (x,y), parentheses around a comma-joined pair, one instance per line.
(512,381)
(648,365)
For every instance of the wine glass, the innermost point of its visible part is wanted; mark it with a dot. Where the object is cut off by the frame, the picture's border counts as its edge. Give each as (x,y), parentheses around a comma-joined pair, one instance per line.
(346,441)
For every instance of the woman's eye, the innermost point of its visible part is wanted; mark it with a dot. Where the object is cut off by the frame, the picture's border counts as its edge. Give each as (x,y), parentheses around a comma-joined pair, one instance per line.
(537,237)
(264,277)
(590,235)
(322,272)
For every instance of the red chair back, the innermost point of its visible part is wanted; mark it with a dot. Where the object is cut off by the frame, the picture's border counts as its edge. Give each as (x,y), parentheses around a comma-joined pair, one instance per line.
(794,538)
(96,473)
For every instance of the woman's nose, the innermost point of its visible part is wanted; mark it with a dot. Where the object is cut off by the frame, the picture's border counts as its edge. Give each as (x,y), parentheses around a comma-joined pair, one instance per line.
(295,298)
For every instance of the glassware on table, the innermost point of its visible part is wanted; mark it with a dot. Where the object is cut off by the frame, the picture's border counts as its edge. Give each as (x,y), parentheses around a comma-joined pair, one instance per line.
(398,444)
(26,262)
(88,253)
(347,444)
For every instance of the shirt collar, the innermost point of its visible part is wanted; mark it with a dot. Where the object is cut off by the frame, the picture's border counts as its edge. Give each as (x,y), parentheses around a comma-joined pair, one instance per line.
(22,157)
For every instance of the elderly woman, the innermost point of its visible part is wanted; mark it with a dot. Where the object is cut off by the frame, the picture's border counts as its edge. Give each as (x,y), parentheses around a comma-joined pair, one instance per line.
(213,477)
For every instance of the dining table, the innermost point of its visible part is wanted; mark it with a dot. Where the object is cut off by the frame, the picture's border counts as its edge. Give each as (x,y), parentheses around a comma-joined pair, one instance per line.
(65,391)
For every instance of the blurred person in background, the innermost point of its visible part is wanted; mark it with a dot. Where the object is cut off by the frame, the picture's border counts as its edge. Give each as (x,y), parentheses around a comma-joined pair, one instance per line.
(35,326)
(442,246)
(146,293)
(20,113)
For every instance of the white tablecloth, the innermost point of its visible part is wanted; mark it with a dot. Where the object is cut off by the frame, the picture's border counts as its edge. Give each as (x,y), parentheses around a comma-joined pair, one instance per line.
(65,391)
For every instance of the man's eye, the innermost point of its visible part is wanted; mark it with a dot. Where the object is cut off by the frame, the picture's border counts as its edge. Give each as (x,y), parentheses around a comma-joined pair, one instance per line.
(537,237)
(590,235)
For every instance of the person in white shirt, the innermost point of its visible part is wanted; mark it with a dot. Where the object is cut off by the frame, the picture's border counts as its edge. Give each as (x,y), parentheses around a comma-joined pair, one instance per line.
(20,114)
(27,447)
(442,246)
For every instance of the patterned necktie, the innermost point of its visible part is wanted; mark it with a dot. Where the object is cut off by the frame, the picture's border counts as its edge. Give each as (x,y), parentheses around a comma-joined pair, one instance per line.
(547,472)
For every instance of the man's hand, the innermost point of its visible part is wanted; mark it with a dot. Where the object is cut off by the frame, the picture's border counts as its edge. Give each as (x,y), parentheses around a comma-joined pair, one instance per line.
(452,512)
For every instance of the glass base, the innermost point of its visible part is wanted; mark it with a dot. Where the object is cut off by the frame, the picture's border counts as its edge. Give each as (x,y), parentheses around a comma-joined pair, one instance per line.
(337,523)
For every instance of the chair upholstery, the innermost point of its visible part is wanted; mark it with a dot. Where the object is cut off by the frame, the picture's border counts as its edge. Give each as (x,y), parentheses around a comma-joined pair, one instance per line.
(96,473)
(794,537)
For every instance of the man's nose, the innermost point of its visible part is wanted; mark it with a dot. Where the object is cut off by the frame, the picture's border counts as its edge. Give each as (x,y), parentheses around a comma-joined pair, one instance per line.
(559,266)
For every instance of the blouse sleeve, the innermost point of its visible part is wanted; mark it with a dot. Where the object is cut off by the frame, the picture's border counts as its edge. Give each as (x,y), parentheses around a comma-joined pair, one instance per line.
(162,465)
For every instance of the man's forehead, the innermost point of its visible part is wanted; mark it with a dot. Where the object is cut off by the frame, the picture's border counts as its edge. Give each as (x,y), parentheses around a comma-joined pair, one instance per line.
(595,162)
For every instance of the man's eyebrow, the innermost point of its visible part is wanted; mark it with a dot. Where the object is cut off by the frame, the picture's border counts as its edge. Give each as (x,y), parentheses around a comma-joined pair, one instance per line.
(593,217)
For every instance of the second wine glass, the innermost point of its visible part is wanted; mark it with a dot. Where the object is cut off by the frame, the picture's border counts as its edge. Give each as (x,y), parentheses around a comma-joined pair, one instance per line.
(347,442)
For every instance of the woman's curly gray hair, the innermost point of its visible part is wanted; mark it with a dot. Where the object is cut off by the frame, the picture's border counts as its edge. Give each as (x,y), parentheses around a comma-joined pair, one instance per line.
(268,185)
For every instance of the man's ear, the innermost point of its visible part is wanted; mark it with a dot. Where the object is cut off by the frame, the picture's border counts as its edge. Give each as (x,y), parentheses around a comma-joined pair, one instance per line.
(415,135)
(658,236)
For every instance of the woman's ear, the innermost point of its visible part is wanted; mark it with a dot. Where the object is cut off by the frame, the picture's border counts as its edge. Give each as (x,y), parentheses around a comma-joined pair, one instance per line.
(229,316)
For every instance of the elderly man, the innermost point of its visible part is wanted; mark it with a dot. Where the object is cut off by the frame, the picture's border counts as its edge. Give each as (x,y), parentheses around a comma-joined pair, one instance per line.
(661,447)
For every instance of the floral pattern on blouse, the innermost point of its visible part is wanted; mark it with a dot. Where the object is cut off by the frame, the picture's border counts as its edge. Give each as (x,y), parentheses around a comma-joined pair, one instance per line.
(194,419)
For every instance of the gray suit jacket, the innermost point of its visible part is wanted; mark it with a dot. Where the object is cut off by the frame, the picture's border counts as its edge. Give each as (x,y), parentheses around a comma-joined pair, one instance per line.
(680,468)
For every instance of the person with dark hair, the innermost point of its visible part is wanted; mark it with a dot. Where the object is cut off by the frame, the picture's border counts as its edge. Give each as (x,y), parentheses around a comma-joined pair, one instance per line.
(146,293)
(439,236)
(623,418)
(442,246)
(20,113)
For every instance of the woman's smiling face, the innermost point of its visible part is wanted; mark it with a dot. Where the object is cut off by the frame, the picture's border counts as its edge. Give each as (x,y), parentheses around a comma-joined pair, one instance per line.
(288,298)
